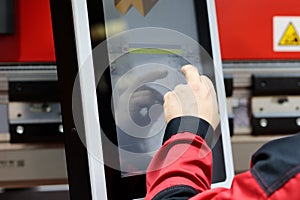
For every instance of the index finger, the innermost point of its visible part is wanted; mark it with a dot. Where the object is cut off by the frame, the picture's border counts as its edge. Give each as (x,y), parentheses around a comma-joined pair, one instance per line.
(191,74)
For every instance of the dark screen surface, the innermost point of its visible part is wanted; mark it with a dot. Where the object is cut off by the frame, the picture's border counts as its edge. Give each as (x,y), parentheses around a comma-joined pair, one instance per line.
(129,178)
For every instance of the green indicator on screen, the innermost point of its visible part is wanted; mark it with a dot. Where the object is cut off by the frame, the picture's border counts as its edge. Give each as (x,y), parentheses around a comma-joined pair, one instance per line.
(154,51)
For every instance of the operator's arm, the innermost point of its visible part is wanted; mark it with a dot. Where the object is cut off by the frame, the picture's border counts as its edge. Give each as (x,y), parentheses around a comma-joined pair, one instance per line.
(182,168)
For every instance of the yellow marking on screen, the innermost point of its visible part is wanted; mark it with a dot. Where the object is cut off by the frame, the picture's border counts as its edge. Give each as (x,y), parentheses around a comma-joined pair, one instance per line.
(155,51)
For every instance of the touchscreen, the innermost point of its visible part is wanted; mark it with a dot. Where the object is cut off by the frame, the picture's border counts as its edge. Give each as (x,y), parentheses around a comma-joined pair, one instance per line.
(149,41)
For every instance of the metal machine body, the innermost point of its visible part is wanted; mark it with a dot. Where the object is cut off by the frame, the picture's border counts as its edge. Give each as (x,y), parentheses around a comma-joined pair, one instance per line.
(31,149)
(30,97)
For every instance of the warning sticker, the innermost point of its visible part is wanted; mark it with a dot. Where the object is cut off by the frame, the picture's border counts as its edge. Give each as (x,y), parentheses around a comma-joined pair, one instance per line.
(286,34)
(290,36)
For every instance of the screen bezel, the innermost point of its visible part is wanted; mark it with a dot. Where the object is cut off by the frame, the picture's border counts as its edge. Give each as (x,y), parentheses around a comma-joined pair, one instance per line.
(81,47)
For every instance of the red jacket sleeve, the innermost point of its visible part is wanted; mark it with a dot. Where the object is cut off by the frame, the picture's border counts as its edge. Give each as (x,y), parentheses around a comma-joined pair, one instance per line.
(182,169)
(185,161)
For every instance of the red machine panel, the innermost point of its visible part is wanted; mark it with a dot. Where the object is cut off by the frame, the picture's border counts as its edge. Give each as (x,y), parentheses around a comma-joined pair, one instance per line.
(246,28)
(246,31)
(32,40)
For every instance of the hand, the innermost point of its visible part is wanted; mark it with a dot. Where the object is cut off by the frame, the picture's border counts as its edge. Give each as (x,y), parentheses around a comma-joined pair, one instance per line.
(197,98)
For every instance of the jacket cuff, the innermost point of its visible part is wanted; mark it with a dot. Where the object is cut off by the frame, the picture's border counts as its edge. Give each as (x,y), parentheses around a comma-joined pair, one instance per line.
(189,124)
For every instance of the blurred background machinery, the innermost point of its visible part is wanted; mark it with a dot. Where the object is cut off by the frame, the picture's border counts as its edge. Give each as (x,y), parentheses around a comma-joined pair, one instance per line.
(260,46)
(261,51)
(31,134)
